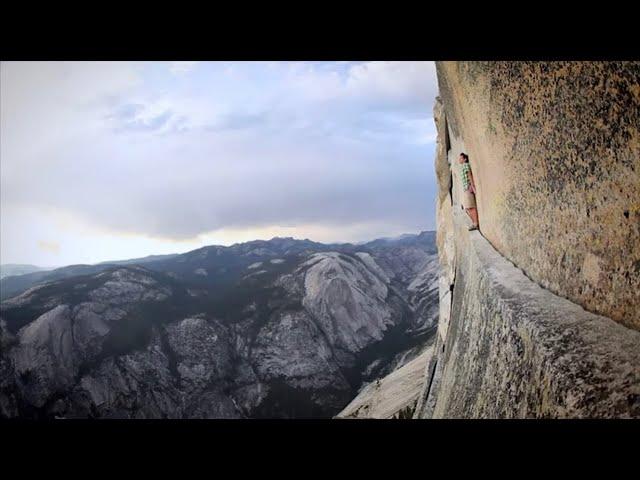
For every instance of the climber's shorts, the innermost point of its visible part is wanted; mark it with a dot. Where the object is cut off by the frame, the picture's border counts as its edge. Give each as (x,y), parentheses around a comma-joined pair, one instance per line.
(468,199)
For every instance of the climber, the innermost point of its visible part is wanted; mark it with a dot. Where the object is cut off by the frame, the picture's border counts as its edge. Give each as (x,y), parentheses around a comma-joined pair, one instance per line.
(468,190)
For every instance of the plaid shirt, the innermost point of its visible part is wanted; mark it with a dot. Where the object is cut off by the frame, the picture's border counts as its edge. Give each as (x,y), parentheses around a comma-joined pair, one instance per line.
(465,171)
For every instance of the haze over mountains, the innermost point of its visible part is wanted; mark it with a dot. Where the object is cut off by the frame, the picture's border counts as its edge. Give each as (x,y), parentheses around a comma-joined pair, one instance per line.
(277,328)
(10,269)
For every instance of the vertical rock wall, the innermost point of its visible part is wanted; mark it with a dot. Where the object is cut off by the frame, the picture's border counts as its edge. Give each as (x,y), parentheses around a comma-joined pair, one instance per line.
(555,150)
(555,153)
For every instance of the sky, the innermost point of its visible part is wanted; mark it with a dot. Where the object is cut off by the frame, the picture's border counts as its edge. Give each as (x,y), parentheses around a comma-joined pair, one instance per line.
(113,160)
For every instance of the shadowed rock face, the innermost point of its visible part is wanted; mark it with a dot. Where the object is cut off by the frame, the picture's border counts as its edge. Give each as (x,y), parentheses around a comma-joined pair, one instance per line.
(160,341)
(507,347)
(555,150)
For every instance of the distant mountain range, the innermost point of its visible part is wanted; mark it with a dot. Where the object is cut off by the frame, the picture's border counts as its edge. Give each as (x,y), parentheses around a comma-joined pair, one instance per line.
(149,258)
(41,274)
(277,328)
(10,269)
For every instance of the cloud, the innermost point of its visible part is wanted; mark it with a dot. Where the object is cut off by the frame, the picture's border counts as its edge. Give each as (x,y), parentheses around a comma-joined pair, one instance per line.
(406,84)
(138,117)
(52,247)
(407,87)
(151,123)
(127,112)
(181,68)
(239,121)
(143,149)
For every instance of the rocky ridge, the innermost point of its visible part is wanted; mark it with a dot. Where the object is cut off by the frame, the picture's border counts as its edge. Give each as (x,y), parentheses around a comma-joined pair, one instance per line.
(161,340)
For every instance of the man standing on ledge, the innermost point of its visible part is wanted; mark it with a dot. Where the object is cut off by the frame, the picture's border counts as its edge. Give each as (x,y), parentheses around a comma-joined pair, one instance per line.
(468,190)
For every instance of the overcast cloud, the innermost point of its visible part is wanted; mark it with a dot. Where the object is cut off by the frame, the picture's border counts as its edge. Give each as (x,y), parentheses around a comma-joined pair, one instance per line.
(115,160)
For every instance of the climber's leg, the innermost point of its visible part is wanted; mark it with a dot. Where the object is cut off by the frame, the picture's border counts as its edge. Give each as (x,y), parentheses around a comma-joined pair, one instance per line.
(473,214)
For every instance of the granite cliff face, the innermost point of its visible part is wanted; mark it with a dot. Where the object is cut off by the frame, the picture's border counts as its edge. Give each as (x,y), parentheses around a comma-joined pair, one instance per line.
(539,313)
(281,328)
(393,396)
(555,149)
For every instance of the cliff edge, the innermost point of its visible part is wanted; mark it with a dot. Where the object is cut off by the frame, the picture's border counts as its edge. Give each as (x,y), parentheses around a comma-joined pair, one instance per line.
(539,313)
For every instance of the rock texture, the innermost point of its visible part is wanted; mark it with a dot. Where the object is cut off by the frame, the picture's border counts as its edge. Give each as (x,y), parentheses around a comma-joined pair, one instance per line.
(555,150)
(553,164)
(387,397)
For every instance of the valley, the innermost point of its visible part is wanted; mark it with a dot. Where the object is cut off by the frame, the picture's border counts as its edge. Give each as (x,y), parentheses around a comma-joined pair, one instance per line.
(282,328)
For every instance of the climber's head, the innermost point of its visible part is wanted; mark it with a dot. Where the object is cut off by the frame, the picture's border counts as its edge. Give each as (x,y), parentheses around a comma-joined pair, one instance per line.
(463,158)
